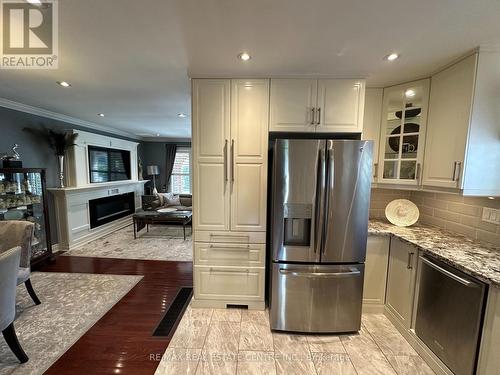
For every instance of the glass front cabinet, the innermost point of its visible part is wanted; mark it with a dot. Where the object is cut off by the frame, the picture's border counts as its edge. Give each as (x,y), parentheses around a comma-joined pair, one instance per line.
(23,197)
(402,134)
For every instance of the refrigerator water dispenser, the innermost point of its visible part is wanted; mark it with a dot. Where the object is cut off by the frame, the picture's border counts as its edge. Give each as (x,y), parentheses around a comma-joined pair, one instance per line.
(297,224)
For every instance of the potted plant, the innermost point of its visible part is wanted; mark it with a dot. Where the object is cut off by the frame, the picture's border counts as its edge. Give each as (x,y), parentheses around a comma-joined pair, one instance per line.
(58,141)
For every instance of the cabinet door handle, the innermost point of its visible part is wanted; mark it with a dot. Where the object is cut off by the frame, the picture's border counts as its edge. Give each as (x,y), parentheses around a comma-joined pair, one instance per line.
(225,162)
(454,170)
(230,247)
(418,173)
(313,115)
(375,170)
(215,270)
(232,236)
(319,116)
(409,265)
(232,160)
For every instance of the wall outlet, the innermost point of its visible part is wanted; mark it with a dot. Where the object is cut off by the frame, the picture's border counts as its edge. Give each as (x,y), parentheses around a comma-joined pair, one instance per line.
(491,215)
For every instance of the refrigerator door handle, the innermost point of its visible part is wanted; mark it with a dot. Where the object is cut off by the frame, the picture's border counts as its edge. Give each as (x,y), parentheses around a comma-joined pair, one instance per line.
(320,203)
(329,184)
(315,275)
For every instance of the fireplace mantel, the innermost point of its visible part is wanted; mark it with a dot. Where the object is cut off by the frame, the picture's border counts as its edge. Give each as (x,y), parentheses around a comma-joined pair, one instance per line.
(95,186)
(72,202)
(72,210)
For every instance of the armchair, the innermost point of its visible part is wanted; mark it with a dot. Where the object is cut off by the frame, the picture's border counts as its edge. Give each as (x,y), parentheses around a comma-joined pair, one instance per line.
(9,263)
(20,233)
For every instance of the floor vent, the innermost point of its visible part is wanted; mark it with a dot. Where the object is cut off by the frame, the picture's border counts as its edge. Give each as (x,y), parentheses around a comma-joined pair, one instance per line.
(174,312)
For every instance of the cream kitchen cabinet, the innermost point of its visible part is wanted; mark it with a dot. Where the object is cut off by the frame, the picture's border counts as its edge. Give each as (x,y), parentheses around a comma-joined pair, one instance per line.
(401,281)
(230,137)
(310,105)
(371,122)
(377,258)
(211,133)
(402,133)
(449,117)
(249,142)
(293,105)
(462,150)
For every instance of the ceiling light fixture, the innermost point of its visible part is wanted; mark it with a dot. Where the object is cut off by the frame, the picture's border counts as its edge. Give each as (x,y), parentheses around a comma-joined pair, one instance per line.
(157,134)
(491,198)
(244,56)
(391,57)
(34,2)
(181,115)
(64,83)
(100,114)
(410,93)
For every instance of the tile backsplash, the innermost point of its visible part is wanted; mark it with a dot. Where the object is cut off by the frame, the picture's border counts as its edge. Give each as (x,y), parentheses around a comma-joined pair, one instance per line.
(449,211)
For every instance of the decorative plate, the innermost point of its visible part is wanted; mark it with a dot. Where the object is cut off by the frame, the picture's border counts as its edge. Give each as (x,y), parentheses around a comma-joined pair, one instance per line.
(402,212)
(168,209)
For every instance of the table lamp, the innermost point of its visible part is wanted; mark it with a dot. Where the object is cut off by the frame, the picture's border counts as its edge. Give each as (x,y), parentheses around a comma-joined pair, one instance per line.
(153,170)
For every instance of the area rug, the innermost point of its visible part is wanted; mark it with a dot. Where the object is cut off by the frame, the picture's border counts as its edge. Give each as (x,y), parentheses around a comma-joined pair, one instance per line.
(71,304)
(160,243)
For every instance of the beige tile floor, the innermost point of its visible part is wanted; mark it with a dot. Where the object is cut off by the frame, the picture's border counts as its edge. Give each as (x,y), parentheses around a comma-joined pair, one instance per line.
(232,341)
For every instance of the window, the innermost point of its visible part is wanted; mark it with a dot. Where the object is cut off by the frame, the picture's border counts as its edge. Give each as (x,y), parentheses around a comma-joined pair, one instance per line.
(108,164)
(180,181)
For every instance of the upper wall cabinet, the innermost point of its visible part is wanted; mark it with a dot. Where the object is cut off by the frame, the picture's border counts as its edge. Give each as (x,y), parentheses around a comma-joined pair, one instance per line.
(402,133)
(449,117)
(293,103)
(463,140)
(310,105)
(371,122)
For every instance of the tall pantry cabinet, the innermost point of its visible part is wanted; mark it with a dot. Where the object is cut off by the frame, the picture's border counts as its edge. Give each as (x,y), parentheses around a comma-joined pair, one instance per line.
(230,137)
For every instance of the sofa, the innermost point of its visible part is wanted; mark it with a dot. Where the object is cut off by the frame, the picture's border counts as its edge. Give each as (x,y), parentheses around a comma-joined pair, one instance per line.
(163,200)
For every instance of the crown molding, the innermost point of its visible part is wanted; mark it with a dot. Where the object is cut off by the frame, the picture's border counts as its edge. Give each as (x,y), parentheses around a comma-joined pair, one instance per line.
(10,104)
(489,47)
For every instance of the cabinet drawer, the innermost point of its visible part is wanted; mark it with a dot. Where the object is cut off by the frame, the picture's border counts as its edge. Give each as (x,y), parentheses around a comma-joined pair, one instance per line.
(231,237)
(234,283)
(224,254)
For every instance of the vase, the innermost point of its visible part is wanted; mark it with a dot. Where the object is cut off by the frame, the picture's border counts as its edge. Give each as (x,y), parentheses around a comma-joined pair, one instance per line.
(60,159)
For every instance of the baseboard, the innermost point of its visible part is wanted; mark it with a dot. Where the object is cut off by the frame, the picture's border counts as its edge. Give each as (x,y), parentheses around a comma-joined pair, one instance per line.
(372,308)
(427,355)
(223,304)
(99,232)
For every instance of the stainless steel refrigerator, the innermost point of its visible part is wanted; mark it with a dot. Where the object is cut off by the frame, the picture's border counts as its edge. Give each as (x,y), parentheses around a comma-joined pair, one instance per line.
(319,224)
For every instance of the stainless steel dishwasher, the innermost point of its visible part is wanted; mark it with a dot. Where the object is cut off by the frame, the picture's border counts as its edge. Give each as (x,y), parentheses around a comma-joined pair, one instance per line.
(449,314)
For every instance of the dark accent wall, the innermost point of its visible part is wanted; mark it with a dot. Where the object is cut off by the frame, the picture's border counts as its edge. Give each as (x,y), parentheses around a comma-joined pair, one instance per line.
(153,153)
(33,152)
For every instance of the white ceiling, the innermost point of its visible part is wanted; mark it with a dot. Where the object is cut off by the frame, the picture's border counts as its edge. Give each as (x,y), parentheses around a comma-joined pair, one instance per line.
(131,59)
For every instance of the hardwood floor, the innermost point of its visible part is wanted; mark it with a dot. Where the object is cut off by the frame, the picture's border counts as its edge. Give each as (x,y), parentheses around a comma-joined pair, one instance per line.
(121,342)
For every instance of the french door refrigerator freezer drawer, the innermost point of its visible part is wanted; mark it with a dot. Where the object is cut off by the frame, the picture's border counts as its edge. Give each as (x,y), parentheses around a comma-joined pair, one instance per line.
(316,298)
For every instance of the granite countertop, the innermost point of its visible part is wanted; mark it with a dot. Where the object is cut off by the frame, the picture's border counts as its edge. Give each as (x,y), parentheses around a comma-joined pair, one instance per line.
(475,258)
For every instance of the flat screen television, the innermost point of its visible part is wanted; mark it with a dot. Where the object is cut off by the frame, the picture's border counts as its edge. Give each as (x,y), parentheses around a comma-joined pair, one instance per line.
(108,164)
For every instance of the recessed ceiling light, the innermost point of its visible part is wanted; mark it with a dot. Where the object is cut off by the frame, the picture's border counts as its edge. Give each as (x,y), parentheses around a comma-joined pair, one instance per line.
(34,2)
(410,93)
(100,114)
(391,57)
(244,56)
(491,198)
(157,134)
(181,115)
(64,84)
